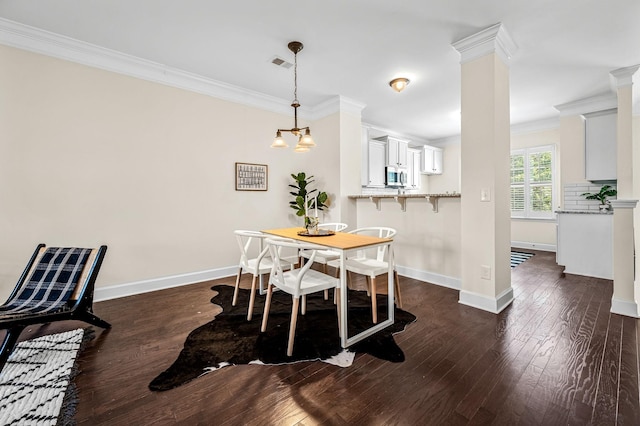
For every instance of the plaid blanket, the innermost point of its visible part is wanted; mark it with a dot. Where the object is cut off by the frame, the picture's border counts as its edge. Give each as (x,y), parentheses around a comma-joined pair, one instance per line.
(51,284)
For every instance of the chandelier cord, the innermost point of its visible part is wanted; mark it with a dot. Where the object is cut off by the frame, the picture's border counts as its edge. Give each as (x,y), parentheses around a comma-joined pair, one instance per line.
(295,78)
(295,103)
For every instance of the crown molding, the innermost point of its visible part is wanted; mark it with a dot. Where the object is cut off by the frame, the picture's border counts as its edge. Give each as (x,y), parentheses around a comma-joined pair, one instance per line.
(388,132)
(447,141)
(536,126)
(337,104)
(592,104)
(623,76)
(36,40)
(494,39)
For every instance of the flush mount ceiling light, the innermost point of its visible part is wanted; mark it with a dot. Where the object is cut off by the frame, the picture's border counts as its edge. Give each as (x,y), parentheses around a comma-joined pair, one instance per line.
(305,141)
(398,84)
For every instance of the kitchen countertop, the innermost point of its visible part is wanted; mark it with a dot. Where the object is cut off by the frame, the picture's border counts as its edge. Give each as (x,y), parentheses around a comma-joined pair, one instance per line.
(583,212)
(387,195)
(402,198)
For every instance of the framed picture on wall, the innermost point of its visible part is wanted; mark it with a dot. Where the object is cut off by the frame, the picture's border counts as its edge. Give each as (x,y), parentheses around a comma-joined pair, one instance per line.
(252,177)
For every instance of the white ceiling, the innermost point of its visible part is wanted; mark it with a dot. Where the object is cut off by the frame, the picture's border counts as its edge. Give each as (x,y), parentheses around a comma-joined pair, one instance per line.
(566,48)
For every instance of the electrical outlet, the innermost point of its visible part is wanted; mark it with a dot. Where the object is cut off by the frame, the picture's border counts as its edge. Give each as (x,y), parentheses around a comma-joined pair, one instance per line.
(485,272)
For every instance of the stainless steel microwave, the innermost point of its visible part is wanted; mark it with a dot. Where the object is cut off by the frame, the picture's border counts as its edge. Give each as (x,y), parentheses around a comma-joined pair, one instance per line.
(395,176)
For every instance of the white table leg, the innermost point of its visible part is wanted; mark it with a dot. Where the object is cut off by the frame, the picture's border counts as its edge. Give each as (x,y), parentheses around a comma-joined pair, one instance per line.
(343,300)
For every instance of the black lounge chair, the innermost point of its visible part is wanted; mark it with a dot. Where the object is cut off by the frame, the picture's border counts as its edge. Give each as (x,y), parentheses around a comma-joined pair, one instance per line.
(56,285)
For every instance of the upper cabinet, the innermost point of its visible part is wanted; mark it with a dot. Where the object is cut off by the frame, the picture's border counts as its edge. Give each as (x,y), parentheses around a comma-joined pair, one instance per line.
(431,160)
(600,145)
(414,167)
(376,163)
(397,151)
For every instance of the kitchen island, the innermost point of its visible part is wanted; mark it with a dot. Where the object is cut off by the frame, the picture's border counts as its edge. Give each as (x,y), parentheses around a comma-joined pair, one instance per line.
(585,242)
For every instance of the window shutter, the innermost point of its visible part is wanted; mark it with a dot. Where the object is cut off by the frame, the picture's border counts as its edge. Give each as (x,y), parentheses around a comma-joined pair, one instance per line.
(532,182)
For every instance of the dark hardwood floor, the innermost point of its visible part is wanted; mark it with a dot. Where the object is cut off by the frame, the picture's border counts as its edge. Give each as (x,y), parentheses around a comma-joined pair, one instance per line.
(556,356)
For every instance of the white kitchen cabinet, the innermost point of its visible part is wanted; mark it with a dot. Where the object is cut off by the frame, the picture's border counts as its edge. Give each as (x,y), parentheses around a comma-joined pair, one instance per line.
(600,145)
(414,166)
(431,160)
(397,151)
(364,154)
(585,244)
(377,159)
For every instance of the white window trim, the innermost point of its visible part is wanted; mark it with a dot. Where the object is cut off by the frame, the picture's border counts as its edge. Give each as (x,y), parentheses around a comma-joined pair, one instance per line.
(527,214)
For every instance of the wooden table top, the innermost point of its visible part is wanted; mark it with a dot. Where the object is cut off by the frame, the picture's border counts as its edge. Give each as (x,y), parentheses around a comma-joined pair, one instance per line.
(341,240)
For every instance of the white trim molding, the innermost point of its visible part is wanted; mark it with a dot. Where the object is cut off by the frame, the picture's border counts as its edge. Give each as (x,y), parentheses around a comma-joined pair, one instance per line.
(380,131)
(494,39)
(623,204)
(58,46)
(486,303)
(600,102)
(536,126)
(146,286)
(337,104)
(625,307)
(623,76)
(430,277)
(533,246)
(162,283)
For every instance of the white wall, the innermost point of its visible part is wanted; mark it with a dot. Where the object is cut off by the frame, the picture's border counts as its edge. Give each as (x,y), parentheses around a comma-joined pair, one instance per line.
(91,157)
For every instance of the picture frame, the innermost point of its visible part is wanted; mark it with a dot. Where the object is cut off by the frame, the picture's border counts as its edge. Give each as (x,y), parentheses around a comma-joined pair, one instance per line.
(252,177)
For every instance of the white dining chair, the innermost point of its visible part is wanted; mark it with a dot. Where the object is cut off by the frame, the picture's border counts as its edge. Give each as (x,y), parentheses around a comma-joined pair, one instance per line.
(297,282)
(373,264)
(325,256)
(257,266)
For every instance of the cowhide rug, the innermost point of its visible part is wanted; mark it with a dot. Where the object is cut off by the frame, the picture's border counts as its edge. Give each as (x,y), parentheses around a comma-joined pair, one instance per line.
(231,339)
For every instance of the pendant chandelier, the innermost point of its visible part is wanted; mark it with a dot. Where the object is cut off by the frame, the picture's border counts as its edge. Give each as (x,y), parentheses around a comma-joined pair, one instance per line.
(305,141)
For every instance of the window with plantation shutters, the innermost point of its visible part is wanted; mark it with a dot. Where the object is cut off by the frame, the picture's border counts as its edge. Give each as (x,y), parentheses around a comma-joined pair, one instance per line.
(532,182)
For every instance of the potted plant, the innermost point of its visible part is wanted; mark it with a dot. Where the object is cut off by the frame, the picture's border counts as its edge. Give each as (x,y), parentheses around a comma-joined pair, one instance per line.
(602,195)
(302,182)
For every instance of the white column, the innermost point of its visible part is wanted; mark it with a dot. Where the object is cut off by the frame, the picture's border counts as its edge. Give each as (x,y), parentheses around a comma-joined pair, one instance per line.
(623,82)
(485,142)
(624,300)
(626,284)
(337,130)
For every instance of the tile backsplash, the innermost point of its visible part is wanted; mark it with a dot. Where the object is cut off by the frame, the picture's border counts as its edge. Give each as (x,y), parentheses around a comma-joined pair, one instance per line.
(574,201)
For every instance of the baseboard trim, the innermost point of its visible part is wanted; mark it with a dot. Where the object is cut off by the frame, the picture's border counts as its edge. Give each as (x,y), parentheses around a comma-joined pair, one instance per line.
(489,304)
(624,307)
(162,283)
(430,277)
(533,246)
(146,286)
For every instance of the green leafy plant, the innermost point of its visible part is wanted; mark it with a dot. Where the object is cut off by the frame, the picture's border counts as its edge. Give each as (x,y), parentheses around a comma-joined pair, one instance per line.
(605,192)
(302,182)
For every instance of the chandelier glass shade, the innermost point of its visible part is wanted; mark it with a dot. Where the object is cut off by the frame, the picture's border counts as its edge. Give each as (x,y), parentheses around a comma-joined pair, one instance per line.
(305,141)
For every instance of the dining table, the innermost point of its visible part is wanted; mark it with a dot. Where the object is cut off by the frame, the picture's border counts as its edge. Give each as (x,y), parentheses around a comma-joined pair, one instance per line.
(343,243)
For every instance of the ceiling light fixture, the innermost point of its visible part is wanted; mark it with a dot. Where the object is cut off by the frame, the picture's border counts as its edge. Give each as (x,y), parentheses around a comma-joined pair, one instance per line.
(305,141)
(398,84)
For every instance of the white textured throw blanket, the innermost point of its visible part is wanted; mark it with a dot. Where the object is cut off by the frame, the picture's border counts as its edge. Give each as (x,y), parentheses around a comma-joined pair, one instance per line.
(35,379)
